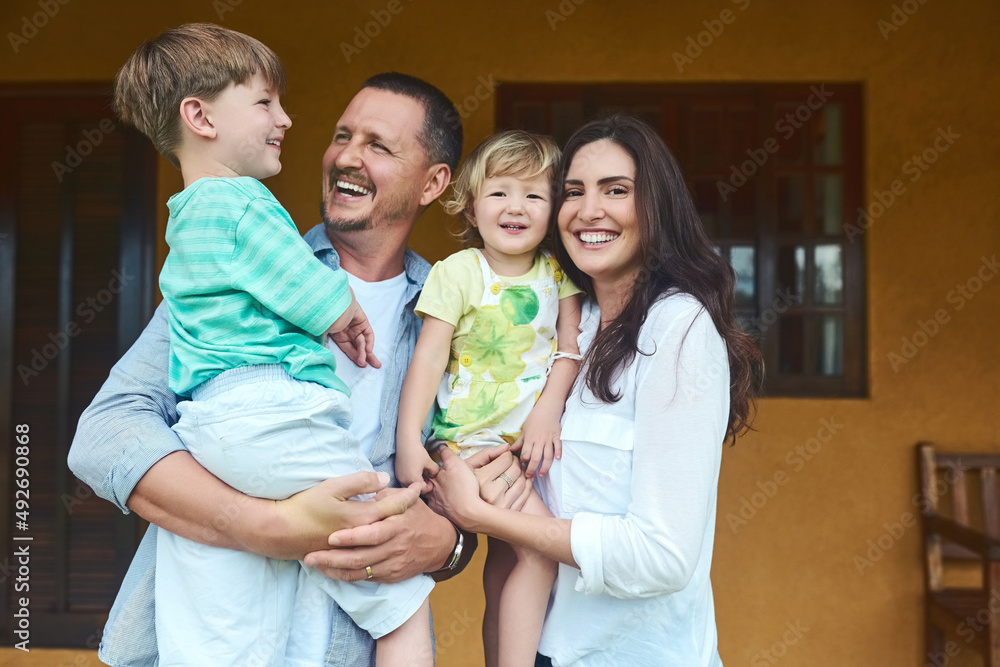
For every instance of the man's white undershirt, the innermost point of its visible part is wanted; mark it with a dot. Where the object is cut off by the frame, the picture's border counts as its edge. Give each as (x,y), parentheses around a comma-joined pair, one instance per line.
(383,304)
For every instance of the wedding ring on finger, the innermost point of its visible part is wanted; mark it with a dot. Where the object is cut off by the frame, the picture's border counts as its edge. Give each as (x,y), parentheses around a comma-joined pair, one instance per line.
(505,477)
(368,572)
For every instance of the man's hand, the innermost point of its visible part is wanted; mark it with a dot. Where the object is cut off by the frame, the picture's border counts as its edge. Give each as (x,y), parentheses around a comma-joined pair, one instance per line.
(396,548)
(307,518)
(353,334)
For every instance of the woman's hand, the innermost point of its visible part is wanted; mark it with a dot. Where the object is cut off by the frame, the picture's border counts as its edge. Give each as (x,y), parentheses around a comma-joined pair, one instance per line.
(501,482)
(456,491)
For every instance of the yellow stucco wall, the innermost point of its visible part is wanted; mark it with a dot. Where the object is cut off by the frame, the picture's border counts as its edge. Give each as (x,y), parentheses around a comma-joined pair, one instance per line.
(792,565)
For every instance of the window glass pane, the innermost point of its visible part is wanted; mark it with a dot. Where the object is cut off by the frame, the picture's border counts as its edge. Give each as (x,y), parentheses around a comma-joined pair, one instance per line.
(830,203)
(791,202)
(706,200)
(566,118)
(743,136)
(792,271)
(530,116)
(707,138)
(829,261)
(742,258)
(830,346)
(791,344)
(652,115)
(791,134)
(827,148)
(743,211)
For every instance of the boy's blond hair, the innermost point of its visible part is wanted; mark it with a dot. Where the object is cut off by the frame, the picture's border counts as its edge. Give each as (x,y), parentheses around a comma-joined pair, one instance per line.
(192,60)
(510,153)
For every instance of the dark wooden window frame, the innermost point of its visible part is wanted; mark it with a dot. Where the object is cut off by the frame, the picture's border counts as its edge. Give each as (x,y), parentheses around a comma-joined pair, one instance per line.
(539,107)
(62,626)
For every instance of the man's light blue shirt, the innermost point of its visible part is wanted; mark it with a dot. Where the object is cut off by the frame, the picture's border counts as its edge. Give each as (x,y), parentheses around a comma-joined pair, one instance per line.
(126,429)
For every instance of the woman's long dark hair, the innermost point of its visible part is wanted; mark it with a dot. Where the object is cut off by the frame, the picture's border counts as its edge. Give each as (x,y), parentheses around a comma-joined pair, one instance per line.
(674,252)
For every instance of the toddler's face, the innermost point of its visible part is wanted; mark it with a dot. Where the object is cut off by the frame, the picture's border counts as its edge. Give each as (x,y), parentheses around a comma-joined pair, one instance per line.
(512,214)
(250,126)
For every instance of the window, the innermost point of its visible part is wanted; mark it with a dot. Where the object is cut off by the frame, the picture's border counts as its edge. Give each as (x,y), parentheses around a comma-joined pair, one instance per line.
(775,170)
(77,236)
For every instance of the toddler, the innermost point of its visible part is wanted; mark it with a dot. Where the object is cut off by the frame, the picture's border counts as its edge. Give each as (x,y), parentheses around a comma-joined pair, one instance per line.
(487,348)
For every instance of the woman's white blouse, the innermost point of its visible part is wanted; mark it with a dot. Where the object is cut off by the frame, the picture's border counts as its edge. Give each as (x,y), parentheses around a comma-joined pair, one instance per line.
(639,480)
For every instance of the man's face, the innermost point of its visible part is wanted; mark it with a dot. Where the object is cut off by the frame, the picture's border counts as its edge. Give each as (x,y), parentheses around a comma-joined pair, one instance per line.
(375,170)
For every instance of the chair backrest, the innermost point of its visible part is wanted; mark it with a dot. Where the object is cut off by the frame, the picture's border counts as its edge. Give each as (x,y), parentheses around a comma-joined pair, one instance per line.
(955,477)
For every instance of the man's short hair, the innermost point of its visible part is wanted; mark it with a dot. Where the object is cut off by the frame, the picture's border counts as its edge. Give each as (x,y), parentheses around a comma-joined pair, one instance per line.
(442,132)
(192,60)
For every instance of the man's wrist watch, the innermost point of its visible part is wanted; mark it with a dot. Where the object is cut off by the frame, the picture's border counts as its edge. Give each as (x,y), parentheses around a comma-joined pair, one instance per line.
(456,554)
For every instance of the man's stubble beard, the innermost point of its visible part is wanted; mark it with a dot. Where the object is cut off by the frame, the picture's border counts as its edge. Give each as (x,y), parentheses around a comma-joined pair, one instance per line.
(336,225)
(400,212)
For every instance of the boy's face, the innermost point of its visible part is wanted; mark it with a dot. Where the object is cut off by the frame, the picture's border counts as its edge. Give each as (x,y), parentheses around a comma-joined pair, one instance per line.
(512,216)
(250,126)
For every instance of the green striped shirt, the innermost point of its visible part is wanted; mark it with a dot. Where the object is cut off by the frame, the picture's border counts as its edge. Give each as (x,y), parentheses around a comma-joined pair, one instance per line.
(243,288)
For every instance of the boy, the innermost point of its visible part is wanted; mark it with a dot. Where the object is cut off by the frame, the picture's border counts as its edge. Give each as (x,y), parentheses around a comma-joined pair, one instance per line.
(247,302)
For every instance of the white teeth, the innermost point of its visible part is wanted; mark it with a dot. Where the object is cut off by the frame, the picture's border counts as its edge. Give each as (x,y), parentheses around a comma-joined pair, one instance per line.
(597,237)
(344,185)
(273,142)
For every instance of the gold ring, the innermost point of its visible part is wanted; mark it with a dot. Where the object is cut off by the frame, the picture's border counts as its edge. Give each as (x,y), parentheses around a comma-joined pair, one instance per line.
(505,477)
(368,571)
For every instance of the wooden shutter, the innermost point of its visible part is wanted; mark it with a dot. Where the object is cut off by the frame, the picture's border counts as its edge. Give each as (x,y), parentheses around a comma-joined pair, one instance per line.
(77,244)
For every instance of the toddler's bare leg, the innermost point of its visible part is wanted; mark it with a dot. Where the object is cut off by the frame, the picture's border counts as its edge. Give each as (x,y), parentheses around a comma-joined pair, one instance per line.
(409,644)
(524,599)
(500,560)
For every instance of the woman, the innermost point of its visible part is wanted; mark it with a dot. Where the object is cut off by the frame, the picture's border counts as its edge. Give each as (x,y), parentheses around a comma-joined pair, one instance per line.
(667,378)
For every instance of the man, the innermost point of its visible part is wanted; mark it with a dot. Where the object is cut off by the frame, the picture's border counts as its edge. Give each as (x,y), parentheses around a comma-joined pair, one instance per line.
(392,155)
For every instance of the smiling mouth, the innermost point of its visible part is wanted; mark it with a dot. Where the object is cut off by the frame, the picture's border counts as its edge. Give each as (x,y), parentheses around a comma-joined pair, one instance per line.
(348,189)
(513,227)
(596,238)
(273,142)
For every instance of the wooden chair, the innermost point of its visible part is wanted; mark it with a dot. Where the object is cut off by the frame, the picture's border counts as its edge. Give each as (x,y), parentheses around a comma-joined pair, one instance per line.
(972,613)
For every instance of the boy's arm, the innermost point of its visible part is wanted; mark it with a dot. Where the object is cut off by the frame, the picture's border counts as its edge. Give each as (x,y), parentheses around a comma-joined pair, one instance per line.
(539,441)
(125,450)
(423,377)
(353,334)
(276,267)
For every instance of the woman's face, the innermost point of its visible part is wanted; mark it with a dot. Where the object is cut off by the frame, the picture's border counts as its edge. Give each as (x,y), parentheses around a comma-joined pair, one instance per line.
(597,221)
